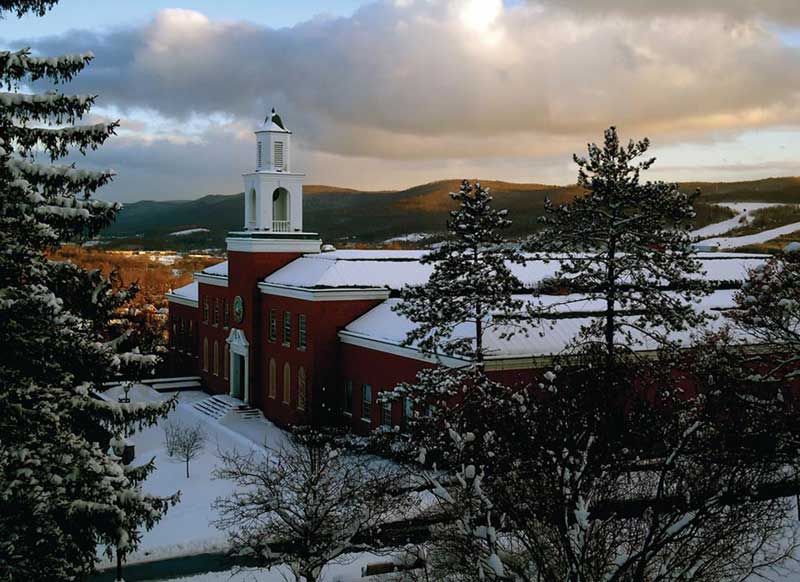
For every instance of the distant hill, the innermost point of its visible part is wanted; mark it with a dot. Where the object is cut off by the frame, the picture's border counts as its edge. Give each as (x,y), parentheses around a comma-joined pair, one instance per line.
(344,215)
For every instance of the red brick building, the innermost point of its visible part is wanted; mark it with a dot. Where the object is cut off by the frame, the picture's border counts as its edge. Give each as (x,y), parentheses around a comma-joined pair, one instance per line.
(303,332)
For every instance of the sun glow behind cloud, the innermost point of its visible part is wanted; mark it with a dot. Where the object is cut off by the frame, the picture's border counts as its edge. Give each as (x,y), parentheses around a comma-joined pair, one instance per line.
(480,16)
(405,91)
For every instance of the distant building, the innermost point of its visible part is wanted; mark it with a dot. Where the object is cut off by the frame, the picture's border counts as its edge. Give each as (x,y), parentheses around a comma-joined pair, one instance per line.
(308,334)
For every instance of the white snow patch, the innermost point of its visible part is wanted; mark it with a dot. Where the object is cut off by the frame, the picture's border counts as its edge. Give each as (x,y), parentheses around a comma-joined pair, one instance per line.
(752,239)
(188,231)
(411,237)
(744,215)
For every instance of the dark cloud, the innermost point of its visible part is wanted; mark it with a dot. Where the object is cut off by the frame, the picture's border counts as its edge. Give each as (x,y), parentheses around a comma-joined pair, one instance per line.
(423,81)
(786,12)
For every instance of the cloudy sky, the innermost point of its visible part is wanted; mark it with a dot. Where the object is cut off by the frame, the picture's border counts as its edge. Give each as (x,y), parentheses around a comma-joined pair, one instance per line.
(392,93)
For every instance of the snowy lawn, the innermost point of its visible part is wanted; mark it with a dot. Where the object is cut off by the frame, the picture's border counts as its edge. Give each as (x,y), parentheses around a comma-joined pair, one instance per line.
(187,528)
(348,571)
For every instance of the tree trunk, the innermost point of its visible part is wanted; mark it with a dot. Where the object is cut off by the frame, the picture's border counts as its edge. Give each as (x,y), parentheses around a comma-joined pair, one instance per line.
(187,468)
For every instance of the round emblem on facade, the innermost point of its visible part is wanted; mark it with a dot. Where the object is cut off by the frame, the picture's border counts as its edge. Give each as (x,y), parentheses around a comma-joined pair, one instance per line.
(238,309)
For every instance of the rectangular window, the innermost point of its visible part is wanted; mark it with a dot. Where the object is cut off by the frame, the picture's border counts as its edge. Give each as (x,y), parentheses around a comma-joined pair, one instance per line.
(205,309)
(386,413)
(287,328)
(258,162)
(192,345)
(216,311)
(278,155)
(301,332)
(273,325)
(366,403)
(348,397)
(226,317)
(408,412)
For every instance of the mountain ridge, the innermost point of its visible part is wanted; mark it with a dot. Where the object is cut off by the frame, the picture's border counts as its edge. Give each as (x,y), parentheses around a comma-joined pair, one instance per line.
(351,216)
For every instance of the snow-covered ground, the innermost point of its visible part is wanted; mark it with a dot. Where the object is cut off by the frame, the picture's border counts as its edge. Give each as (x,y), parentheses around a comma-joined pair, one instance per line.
(711,235)
(187,231)
(347,571)
(187,528)
(744,215)
(411,238)
(732,242)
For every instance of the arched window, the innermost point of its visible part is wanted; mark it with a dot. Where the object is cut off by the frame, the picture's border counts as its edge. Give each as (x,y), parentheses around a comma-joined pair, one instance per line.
(287,383)
(205,354)
(251,208)
(301,388)
(280,210)
(226,361)
(216,358)
(273,378)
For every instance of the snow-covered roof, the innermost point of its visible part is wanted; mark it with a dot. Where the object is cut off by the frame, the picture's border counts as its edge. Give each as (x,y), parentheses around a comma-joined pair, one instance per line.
(393,269)
(219,270)
(186,295)
(384,329)
(188,291)
(273,122)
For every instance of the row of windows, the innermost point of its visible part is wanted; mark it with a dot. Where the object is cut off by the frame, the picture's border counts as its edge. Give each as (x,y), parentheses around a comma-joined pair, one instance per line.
(302,384)
(286,386)
(286,336)
(216,313)
(215,364)
(286,327)
(368,402)
(182,337)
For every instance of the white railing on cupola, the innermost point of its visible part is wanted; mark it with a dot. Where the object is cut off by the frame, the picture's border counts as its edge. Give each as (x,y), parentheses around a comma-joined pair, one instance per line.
(281,226)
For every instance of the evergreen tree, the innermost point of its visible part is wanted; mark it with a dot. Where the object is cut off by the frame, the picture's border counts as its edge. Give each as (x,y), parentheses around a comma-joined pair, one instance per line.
(605,467)
(626,244)
(62,492)
(471,291)
(471,287)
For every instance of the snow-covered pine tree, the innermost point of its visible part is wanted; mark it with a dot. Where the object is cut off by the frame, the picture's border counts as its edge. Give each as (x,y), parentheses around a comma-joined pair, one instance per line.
(62,492)
(471,290)
(626,244)
(471,287)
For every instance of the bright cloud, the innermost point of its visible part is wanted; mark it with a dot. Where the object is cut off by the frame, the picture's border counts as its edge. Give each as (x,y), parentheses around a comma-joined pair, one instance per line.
(446,83)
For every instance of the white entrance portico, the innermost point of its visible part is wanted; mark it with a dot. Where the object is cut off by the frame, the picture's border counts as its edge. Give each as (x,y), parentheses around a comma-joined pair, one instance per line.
(240,366)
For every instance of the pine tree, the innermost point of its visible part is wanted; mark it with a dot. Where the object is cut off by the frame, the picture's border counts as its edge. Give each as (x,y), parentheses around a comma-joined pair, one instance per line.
(626,244)
(471,288)
(470,292)
(62,492)
(606,467)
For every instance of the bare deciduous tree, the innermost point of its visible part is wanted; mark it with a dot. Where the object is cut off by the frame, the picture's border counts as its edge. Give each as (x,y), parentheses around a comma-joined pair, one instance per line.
(184,442)
(306,505)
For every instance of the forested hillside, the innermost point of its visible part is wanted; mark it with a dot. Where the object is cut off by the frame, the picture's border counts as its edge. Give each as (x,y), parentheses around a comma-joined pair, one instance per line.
(343,215)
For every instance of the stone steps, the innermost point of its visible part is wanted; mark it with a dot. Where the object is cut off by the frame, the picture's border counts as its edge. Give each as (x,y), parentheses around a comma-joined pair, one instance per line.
(219,405)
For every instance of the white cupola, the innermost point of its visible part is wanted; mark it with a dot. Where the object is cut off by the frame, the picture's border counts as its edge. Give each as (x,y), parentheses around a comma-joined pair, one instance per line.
(273,141)
(273,193)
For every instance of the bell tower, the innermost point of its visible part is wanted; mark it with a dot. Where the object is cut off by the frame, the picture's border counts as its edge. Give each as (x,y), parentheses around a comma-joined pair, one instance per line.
(273,197)
(273,194)
(272,237)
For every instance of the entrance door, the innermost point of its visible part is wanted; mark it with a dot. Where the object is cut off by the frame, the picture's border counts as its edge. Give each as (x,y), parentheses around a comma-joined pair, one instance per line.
(237,376)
